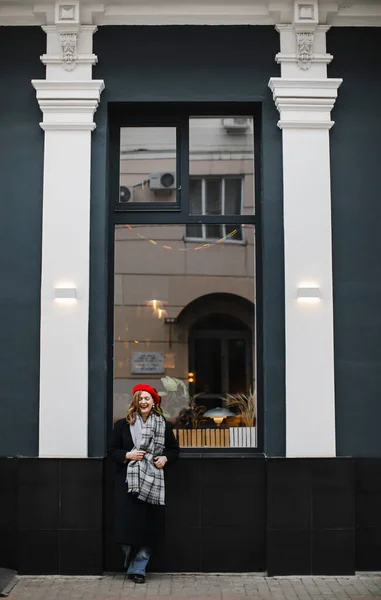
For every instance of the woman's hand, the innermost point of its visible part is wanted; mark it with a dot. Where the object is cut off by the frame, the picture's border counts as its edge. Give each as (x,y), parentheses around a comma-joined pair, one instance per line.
(135,454)
(160,461)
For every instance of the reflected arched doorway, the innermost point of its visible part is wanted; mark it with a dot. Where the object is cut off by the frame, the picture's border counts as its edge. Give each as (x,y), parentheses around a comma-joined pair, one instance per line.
(219,355)
(221,346)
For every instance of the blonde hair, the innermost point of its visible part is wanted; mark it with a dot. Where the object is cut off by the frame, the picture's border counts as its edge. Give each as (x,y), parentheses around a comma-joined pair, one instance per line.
(134,410)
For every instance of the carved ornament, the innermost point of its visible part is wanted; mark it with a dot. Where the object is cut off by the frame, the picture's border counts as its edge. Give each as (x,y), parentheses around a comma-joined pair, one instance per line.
(304,43)
(69,50)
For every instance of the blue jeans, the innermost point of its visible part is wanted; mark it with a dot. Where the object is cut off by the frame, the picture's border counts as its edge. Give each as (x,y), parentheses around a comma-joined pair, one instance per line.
(136,559)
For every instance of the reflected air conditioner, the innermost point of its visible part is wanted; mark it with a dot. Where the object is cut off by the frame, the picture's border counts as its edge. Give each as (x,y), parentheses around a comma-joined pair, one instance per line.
(236,124)
(162,181)
(126,194)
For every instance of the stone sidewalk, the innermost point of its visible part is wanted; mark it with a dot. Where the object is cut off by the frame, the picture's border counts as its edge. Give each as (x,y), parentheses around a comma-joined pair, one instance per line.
(198,587)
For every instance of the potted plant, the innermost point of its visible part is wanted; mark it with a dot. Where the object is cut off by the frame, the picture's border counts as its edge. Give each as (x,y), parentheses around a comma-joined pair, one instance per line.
(243,405)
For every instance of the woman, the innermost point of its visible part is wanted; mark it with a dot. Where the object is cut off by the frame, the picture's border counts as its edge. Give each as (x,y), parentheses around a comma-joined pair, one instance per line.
(142,445)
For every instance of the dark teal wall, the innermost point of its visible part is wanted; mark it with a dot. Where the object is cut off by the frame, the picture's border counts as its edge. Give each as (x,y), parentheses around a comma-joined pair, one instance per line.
(191,64)
(21,168)
(356,220)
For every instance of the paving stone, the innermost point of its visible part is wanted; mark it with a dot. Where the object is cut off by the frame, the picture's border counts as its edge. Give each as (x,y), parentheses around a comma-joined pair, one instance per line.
(366,586)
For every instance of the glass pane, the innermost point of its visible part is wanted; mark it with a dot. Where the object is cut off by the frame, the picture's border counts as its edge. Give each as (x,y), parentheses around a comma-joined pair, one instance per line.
(237,365)
(195,196)
(184,323)
(213,232)
(234,232)
(147,165)
(233,196)
(213,197)
(222,152)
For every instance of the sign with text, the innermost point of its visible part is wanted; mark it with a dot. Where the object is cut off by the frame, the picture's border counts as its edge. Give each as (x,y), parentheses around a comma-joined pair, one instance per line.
(147,362)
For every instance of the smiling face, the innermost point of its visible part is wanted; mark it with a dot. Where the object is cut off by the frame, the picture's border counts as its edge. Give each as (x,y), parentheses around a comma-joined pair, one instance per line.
(145,404)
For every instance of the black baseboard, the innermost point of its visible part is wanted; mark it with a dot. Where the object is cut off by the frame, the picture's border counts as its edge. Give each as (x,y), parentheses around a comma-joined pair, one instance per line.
(283,516)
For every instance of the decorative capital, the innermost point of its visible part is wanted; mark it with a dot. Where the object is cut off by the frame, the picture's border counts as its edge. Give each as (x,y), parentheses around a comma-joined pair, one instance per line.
(303,48)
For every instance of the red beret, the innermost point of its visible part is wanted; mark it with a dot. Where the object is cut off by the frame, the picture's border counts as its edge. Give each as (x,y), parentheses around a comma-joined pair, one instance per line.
(143,387)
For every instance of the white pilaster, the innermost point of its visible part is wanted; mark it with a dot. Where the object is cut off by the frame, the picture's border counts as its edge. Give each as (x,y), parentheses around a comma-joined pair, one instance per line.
(68,98)
(305,97)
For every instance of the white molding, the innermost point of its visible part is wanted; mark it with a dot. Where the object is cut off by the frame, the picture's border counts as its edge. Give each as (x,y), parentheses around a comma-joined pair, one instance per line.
(324,59)
(68,105)
(304,103)
(364,13)
(68,90)
(307,89)
(68,86)
(81,59)
(305,125)
(67,126)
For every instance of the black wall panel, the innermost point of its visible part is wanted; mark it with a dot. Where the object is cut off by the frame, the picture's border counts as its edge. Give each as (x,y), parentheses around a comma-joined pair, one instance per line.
(21,167)
(356,215)
(368,514)
(310,517)
(190,64)
(8,513)
(51,515)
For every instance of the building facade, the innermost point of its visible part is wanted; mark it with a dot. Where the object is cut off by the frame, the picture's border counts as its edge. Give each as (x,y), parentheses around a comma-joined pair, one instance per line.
(190,198)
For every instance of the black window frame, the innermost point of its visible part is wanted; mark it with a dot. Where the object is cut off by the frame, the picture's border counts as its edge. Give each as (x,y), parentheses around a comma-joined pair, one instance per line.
(168,114)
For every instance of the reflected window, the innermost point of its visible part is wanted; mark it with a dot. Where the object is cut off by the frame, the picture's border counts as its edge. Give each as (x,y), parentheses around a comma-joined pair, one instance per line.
(184,322)
(147,165)
(221,166)
(214,197)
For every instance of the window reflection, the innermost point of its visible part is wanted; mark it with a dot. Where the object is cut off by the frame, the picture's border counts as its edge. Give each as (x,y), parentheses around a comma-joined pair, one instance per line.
(221,166)
(184,323)
(147,165)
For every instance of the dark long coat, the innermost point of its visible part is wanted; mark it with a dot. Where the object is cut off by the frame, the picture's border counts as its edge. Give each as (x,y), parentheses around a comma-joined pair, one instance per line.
(136,523)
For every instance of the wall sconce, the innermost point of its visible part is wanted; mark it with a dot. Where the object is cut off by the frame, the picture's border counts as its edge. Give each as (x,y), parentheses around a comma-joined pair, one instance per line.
(65,294)
(309,294)
(190,377)
(170,321)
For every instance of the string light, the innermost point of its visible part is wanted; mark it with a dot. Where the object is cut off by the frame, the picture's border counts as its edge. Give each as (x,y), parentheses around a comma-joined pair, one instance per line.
(197,248)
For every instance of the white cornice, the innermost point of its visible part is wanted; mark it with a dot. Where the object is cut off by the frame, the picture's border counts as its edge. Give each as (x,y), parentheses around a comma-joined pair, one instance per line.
(304,103)
(301,87)
(47,89)
(365,13)
(68,105)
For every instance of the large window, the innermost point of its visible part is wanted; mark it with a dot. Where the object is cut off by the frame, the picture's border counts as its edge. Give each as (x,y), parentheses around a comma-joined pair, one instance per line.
(184,274)
(184,323)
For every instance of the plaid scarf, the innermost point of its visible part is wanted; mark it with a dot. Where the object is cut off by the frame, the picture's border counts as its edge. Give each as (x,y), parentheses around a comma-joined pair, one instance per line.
(143,478)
